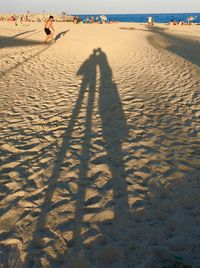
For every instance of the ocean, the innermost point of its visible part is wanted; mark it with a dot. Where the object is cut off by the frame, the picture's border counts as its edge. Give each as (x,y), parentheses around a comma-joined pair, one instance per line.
(159,18)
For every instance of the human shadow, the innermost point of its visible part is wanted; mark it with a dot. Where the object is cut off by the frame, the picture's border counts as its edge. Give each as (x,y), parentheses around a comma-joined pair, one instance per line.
(89,81)
(114,131)
(116,211)
(183,46)
(61,34)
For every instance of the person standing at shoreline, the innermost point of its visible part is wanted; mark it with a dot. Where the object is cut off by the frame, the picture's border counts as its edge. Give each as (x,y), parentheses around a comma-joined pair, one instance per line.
(47,28)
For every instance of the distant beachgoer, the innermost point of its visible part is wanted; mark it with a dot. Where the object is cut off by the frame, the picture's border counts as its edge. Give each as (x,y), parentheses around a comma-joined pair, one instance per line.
(75,20)
(15,20)
(173,22)
(150,21)
(47,28)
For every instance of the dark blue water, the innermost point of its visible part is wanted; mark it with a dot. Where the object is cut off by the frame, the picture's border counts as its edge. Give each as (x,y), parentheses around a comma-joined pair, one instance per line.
(159,18)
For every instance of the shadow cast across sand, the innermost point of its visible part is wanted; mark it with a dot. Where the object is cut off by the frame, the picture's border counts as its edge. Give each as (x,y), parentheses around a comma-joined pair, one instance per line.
(184,46)
(127,28)
(22,42)
(22,33)
(36,54)
(135,209)
(61,34)
(181,45)
(6,42)
(112,218)
(14,42)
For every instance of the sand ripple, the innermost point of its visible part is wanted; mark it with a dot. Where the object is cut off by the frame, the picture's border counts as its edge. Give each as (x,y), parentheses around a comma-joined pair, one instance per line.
(100,150)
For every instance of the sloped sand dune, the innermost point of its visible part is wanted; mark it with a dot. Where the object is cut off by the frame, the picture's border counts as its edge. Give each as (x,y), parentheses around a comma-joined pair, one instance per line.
(100,146)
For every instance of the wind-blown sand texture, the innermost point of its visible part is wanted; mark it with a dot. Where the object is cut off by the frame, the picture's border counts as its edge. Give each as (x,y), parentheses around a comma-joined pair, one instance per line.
(100,146)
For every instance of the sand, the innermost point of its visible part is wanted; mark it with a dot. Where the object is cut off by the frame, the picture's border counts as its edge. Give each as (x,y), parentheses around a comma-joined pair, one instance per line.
(100,146)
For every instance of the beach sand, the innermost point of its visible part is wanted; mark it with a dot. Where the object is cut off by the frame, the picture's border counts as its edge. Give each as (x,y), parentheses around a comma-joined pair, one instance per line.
(100,146)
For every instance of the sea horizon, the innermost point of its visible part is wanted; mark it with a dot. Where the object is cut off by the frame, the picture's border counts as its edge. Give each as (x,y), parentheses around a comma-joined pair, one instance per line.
(158,17)
(131,17)
(134,13)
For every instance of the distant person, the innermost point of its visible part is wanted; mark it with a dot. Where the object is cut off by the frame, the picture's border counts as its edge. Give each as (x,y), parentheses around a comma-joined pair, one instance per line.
(75,20)
(47,28)
(92,19)
(97,19)
(173,22)
(15,18)
(150,21)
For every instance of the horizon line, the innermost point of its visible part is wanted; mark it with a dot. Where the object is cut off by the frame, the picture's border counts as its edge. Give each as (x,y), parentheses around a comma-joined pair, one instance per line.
(136,13)
(154,13)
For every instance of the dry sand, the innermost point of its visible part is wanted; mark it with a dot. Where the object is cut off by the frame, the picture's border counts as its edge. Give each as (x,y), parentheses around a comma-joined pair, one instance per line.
(100,146)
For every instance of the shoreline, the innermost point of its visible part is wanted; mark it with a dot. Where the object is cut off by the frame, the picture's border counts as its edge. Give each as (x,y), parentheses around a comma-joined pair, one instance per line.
(114,17)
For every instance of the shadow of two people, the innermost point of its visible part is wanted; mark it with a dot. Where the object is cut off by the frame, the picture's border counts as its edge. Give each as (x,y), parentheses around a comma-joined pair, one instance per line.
(114,130)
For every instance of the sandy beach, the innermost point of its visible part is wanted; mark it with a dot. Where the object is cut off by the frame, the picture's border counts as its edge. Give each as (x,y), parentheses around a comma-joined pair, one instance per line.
(100,146)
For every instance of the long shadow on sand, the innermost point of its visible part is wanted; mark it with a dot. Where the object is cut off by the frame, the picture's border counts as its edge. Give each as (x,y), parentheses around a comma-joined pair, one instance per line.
(183,46)
(22,33)
(14,42)
(100,230)
(114,132)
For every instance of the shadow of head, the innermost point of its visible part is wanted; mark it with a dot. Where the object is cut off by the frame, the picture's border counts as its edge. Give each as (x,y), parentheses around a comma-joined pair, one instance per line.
(88,68)
(101,58)
(97,51)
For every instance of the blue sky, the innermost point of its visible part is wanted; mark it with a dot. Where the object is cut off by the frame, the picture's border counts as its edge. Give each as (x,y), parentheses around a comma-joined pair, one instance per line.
(101,6)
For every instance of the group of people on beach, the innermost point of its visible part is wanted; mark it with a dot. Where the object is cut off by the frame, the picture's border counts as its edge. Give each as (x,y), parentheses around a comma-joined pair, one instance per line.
(15,18)
(30,17)
(174,22)
(48,27)
(93,19)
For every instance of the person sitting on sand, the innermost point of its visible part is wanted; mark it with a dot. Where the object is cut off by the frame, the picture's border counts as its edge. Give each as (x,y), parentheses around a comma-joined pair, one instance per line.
(47,28)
